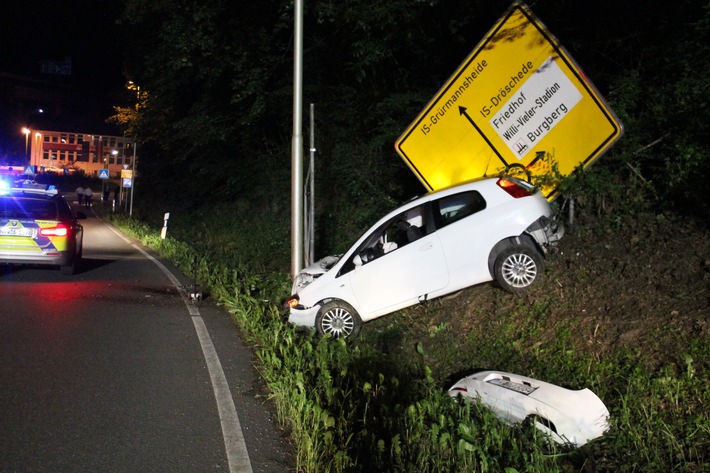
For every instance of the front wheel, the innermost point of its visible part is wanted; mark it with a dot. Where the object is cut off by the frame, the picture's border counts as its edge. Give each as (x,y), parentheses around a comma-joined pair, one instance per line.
(518,267)
(338,319)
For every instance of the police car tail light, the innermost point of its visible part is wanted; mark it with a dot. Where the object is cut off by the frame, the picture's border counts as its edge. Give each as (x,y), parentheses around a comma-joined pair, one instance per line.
(513,187)
(59,231)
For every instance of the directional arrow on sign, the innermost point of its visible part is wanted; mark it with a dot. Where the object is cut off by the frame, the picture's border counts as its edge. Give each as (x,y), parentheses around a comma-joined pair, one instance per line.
(528,108)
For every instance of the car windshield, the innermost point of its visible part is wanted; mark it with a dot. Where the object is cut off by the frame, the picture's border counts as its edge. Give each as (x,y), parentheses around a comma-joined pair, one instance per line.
(27,209)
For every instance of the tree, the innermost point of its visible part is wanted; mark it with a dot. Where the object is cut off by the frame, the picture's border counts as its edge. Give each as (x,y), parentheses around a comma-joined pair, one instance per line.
(218,116)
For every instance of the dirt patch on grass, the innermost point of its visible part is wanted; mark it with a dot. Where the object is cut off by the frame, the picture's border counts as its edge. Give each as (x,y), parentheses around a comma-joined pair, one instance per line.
(640,283)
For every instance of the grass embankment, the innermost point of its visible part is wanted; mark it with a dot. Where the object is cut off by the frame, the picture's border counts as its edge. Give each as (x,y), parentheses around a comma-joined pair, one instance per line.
(379,403)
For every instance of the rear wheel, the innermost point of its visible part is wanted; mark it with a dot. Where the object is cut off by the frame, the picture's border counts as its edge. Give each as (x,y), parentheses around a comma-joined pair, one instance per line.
(338,319)
(518,267)
(71,268)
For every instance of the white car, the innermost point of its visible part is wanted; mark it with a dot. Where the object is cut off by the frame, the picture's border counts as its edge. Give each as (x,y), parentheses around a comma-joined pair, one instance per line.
(437,244)
(568,417)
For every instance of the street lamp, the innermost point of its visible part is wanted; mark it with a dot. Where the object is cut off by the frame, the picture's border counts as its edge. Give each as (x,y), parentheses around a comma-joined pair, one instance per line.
(27,132)
(36,149)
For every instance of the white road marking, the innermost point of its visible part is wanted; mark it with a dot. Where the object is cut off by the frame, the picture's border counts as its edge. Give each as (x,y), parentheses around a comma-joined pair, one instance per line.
(235,446)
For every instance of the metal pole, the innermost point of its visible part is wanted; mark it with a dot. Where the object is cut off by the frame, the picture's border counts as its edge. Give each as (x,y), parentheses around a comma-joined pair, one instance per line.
(133,177)
(297,144)
(311,201)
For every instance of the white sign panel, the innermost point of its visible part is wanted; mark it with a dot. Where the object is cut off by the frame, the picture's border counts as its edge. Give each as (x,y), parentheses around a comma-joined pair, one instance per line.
(542,102)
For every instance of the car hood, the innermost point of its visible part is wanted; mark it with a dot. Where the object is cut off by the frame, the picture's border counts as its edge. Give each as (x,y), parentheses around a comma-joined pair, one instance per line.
(308,274)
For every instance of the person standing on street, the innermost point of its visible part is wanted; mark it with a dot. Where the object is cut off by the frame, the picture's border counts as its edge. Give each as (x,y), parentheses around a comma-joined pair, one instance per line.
(80,195)
(88,193)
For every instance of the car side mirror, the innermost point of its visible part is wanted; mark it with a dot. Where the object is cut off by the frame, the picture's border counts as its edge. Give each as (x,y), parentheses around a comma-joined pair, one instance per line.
(357,261)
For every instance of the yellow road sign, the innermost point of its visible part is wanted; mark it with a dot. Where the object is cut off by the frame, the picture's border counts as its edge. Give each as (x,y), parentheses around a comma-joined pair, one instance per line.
(518,103)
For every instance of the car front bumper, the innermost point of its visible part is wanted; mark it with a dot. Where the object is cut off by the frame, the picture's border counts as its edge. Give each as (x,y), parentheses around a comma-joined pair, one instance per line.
(303,317)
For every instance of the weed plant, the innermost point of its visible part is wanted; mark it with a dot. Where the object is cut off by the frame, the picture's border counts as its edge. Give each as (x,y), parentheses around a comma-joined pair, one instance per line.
(376,404)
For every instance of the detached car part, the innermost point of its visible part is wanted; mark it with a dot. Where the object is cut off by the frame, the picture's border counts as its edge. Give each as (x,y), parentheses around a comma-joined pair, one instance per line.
(568,417)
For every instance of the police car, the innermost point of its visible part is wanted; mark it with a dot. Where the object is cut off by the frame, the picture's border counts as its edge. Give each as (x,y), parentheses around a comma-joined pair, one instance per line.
(37,226)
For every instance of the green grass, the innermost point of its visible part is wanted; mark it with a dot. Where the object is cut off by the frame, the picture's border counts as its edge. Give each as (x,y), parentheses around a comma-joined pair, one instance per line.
(379,403)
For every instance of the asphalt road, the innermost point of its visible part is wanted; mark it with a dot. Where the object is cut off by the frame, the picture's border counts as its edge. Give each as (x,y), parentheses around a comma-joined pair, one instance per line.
(114,370)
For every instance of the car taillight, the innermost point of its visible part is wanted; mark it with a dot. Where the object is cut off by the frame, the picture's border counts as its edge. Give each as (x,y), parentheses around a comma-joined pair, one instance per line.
(515,189)
(59,231)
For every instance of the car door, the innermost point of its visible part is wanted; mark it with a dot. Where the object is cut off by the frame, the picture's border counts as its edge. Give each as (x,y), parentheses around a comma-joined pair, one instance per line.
(399,276)
(464,227)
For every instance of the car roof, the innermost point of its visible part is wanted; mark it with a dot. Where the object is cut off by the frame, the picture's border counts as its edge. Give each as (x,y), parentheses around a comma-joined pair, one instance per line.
(478,184)
(28,189)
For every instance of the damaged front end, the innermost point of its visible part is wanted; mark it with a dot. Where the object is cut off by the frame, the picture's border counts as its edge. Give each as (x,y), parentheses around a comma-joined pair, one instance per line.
(298,313)
(547,232)
(311,273)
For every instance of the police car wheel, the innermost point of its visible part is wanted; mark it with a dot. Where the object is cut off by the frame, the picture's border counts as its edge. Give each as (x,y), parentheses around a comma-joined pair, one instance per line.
(70,269)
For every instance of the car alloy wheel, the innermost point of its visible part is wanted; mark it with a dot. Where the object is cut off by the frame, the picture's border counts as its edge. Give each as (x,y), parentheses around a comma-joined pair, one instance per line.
(338,319)
(518,267)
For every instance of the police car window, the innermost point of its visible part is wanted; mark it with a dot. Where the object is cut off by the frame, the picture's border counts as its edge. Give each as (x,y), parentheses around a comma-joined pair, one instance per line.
(453,208)
(29,209)
(64,210)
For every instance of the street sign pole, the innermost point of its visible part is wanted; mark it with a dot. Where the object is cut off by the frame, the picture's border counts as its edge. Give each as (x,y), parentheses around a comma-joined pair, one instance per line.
(133,177)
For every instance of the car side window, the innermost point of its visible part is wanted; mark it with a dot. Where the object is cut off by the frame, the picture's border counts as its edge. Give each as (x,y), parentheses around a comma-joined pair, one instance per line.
(406,227)
(396,233)
(64,210)
(455,207)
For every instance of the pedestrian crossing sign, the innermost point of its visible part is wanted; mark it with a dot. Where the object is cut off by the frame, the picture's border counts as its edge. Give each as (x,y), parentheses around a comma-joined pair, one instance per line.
(103,173)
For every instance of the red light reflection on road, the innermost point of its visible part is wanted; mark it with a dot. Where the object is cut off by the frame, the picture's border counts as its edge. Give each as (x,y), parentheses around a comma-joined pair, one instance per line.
(49,298)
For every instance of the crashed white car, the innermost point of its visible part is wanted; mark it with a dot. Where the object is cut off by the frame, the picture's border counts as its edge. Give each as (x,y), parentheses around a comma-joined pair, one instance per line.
(437,244)
(568,417)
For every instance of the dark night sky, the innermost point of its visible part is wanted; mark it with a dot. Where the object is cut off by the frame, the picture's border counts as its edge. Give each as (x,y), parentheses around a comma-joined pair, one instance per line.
(52,30)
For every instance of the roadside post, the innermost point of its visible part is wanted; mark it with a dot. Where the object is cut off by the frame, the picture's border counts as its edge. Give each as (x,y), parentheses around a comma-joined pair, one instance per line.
(127,183)
(164,231)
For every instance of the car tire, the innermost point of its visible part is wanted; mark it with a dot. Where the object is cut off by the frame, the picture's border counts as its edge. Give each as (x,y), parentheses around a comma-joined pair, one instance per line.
(71,268)
(517,267)
(338,319)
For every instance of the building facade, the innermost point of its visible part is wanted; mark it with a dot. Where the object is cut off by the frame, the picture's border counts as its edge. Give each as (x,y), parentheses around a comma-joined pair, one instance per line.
(59,151)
